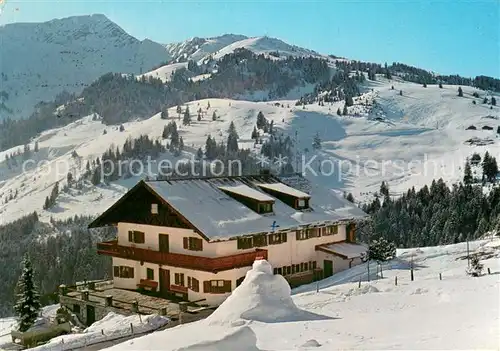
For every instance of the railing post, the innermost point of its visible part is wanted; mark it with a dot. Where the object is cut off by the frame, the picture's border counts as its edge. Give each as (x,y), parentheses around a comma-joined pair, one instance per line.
(85,295)
(135,306)
(62,290)
(109,301)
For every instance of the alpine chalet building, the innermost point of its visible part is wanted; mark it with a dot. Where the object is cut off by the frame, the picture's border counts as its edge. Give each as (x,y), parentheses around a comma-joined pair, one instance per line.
(197,238)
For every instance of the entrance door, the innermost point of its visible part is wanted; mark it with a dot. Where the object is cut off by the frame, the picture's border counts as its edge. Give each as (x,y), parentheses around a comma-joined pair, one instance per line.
(163,243)
(164,281)
(328,268)
(90,314)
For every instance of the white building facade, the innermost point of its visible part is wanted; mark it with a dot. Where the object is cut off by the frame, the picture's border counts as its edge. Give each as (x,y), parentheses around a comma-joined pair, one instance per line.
(180,245)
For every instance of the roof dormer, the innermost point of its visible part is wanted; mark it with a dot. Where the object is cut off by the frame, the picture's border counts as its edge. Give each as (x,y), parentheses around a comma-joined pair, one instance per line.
(252,198)
(290,196)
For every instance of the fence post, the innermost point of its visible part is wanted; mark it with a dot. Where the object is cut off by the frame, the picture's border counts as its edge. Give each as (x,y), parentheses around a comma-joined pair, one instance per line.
(411,274)
(359,283)
(102,331)
(109,300)
(489,271)
(132,328)
(440,276)
(396,280)
(381,272)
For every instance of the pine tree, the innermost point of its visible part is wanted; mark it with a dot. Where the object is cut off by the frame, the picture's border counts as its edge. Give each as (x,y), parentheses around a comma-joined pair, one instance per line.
(485,100)
(181,144)
(316,142)
(164,112)
(468,174)
(384,189)
(187,117)
(381,250)
(261,120)
(387,72)
(232,139)
(232,130)
(36,146)
(28,304)
(460,92)
(440,85)
(493,101)
(339,112)
(349,197)
(122,128)
(179,110)
(425,85)
(208,105)
(344,112)
(214,116)
(476,267)
(199,154)
(255,133)
(401,92)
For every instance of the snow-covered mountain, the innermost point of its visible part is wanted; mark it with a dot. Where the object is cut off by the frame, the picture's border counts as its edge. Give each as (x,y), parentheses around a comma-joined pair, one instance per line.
(406,140)
(200,49)
(40,60)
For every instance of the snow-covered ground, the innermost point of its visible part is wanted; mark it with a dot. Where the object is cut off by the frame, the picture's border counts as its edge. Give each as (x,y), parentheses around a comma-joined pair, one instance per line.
(113,326)
(416,138)
(457,312)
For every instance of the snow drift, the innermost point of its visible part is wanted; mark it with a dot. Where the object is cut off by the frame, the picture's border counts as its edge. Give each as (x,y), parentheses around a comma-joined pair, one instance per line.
(263,297)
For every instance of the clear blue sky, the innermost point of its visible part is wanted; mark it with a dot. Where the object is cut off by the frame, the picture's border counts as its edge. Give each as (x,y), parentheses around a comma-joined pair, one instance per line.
(448,37)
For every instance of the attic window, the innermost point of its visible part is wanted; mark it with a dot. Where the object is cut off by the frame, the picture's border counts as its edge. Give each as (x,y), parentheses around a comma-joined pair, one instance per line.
(154,208)
(265,207)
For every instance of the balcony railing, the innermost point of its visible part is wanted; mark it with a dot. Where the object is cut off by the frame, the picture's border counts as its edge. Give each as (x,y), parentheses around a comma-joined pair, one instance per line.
(207,264)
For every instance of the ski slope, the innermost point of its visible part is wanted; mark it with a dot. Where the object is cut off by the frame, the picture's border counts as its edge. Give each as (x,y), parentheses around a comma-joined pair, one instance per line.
(404,140)
(457,312)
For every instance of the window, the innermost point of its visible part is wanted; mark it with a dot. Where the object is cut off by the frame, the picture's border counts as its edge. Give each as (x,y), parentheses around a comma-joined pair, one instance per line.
(277,238)
(293,269)
(301,267)
(301,203)
(313,264)
(217,286)
(179,279)
(275,270)
(306,266)
(193,284)
(193,244)
(123,272)
(260,240)
(245,243)
(135,236)
(154,208)
(150,274)
(279,270)
(307,233)
(265,208)
(297,268)
(332,230)
(76,308)
(288,270)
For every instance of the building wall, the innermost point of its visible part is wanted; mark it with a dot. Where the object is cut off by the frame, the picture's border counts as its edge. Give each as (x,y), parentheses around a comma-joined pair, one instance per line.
(293,251)
(210,299)
(339,264)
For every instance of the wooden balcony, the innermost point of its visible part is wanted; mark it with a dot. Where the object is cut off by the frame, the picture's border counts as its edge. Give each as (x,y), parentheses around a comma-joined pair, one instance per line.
(206,264)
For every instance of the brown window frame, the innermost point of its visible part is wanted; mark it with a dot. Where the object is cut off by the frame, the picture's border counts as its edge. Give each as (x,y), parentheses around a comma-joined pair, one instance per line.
(217,286)
(125,272)
(330,230)
(244,243)
(179,279)
(264,207)
(150,274)
(193,284)
(260,240)
(277,238)
(192,243)
(136,236)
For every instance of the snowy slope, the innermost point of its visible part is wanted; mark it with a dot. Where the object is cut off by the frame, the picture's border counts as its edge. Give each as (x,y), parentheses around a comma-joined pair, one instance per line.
(266,45)
(197,49)
(420,137)
(40,60)
(458,312)
(164,72)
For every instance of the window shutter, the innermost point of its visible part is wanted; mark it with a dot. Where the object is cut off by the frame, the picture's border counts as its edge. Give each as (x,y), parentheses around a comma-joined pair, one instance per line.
(283,237)
(196,284)
(131,272)
(199,244)
(139,237)
(297,235)
(116,271)
(206,286)
(227,286)
(131,236)
(186,243)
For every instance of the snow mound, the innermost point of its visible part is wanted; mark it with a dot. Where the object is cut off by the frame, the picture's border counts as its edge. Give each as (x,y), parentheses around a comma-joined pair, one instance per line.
(243,339)
(419,291)
(263,297)
(311,343)
(365,289)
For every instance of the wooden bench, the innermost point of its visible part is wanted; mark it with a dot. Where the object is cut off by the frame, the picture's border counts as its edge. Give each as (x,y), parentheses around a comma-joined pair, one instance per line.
(147,284)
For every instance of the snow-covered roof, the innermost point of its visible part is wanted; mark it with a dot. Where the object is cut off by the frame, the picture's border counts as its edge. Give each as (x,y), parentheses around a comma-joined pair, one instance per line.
(348,250)
(219,216)
(245,190)
(284,189)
